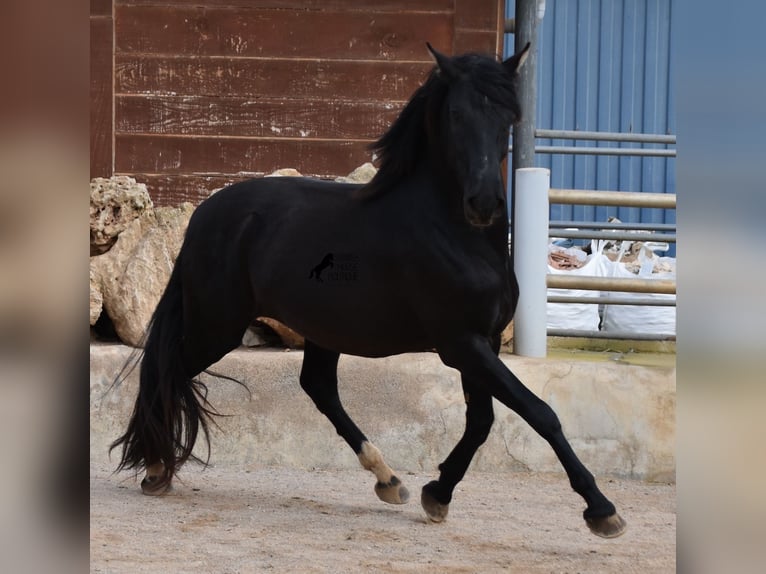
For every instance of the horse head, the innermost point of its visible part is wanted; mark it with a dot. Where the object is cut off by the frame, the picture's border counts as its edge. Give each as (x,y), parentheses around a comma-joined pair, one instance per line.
(474,119)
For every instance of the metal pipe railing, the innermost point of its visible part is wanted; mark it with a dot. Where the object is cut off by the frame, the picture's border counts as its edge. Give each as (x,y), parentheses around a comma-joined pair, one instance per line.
(611,335)
(613,235)
(614,151)
(627,284)
(617,231)
(619,151)
(577,135)
(604,300)
(621,226)
(612,198)
(667,139)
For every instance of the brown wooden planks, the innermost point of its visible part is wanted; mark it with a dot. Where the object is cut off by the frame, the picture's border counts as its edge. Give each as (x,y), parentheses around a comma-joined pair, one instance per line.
(175,189)
(319,34)
(101,97)
(476,14)
(236,116)
(210,91)
(101,8)
(481,41)
(214,155)
(379,81)
(348,5)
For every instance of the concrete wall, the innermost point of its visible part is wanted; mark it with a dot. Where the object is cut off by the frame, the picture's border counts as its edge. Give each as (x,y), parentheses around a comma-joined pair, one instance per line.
(619,417)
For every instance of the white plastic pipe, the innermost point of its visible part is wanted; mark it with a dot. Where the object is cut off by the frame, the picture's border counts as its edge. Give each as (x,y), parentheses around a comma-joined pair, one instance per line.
(530,255)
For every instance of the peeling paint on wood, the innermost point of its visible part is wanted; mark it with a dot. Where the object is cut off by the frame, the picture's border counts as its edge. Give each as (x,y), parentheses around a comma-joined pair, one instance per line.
(214,91)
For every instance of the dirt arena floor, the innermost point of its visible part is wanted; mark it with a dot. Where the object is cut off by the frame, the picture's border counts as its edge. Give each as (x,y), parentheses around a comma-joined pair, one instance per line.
(231,520)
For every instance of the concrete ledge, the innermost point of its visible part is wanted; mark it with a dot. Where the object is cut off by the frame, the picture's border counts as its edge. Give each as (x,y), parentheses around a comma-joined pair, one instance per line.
(619,417)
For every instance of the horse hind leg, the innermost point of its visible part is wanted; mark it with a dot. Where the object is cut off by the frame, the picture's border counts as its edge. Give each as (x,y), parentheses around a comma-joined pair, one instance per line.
(154,484)
(210,331)
(319,380)
(157,480)
(388,486)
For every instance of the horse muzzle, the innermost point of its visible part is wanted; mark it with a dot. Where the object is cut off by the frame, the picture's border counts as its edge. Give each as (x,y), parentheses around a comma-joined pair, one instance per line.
(483,209)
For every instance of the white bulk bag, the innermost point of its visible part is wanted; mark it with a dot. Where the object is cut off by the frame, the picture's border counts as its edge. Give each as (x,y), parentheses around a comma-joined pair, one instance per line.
(655,320)
(578,316)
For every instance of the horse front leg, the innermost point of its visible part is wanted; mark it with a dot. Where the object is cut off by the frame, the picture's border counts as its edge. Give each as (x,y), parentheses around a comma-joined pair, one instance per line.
(437,494)
(476,361)
(320,381)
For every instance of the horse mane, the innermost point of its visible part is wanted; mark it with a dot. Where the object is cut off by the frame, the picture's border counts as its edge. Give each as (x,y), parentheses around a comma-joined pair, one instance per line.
(401,147)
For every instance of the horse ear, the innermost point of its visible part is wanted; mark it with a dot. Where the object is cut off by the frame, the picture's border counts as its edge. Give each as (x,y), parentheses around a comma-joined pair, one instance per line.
(443,64)
(515,62)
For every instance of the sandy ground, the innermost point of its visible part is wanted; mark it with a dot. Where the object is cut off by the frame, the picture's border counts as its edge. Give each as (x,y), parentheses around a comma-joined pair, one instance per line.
(232,519)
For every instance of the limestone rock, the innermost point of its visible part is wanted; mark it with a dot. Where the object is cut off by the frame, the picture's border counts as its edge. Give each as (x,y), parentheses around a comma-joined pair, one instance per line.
(114,203)
(96,299)
(362,174)
(253,337)
(259,334)
(285,172)
(133,274)
(506,337)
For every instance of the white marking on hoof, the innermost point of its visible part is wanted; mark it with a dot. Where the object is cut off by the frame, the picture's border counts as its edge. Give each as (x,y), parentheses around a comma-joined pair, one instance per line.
(393,493)
(388,488)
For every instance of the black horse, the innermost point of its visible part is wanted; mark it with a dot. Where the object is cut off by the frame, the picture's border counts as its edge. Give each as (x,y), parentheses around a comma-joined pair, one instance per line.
(428,241)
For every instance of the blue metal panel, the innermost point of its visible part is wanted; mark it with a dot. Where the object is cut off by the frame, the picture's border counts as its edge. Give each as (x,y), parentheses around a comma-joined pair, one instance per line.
(605,65)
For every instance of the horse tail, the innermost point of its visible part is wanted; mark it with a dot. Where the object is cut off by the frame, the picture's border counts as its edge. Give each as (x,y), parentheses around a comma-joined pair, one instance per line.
(171,407)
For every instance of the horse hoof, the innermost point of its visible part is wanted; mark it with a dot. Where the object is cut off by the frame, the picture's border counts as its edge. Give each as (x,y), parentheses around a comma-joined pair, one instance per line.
(393,492)
(155,486)
(435,510)
(607,526)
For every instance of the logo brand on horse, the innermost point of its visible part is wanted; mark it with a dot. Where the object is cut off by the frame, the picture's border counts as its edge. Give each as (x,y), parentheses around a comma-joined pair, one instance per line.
(426,267)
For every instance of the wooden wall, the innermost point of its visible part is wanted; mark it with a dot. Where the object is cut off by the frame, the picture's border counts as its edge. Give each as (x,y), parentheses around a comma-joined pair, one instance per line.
(200,94)
(101,88)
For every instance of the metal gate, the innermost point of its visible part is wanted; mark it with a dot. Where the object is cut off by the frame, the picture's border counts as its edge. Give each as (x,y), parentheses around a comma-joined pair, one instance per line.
(604,122)
(605,66)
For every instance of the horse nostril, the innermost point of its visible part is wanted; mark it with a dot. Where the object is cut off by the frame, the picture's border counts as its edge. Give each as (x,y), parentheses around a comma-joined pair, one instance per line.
(484,208)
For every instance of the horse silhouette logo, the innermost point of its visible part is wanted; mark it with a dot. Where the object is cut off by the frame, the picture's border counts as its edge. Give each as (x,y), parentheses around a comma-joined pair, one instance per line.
(316,272)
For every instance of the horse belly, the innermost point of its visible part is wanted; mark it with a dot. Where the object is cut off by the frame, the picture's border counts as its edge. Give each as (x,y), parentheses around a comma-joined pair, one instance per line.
(356,324)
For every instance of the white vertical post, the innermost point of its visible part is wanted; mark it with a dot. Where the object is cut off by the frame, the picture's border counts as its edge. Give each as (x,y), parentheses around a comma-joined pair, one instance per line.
(530,258)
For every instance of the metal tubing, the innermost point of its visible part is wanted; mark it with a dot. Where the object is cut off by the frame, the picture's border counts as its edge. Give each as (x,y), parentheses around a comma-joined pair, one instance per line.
(618,198)
(610,335)
(612,225)
(530,256)
(613,235)
(620,151)
(605,136)
(525,30)
(626,284)
(613,301)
